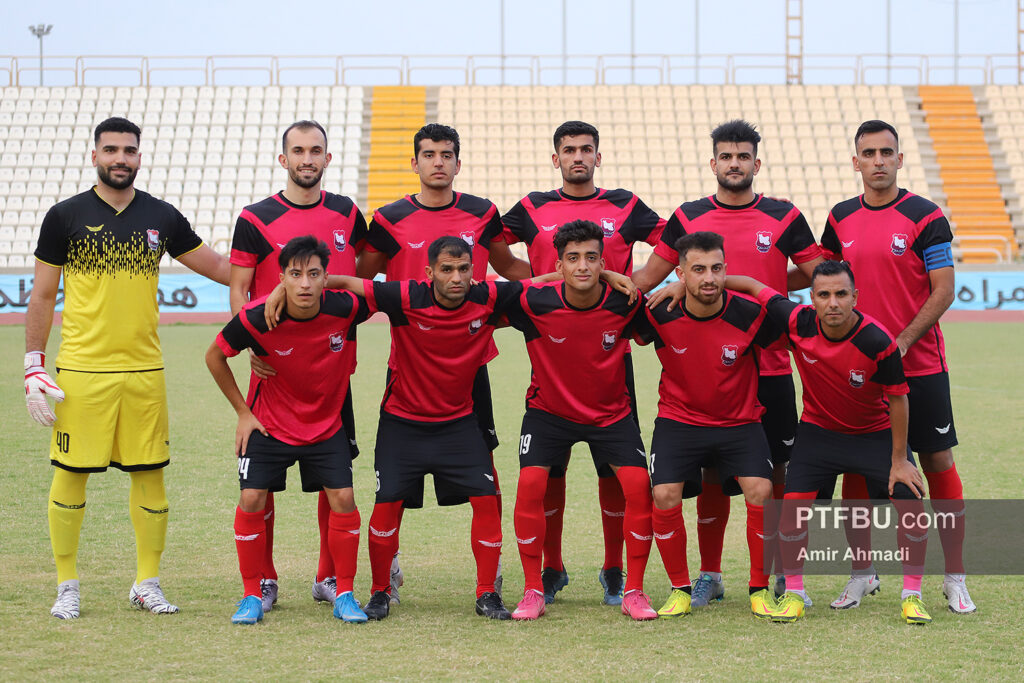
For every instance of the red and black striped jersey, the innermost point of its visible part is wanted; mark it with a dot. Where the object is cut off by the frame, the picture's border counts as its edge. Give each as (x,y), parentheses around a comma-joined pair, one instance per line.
(301,404)
(403,231)
(263,228)
(760,240)
(623,217)
(709,365)
(845,381)
(436,351)
(891,249)
(579,371)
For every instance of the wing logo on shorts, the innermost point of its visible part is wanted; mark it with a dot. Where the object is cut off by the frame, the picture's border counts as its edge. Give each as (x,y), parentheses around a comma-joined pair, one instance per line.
(557,340)
(944,430)
(810,361)
(383,534)
(286,352)
(525,541)
(489,544)
(641,538)
(490,477)
(789,442)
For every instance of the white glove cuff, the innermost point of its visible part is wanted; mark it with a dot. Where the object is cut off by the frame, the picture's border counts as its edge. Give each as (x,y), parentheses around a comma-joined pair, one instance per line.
(34,359)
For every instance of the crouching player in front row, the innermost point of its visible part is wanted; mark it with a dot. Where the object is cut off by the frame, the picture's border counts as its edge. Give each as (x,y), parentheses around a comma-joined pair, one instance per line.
(854,420)
(294,415)
(708,412)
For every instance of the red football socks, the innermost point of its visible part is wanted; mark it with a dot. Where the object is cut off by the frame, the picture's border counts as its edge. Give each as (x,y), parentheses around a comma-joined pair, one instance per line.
(343,540)
(383,542)
(250,542)
(670,535)
(613,510)
(755,545)
(554,516)
(947,493)
(325,567)
(485,535)
(636,524)
(712,516)
(269,571)
(529,523)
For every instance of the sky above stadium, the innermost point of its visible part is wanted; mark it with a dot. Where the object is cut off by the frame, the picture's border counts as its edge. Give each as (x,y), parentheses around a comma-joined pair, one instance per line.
(472,27)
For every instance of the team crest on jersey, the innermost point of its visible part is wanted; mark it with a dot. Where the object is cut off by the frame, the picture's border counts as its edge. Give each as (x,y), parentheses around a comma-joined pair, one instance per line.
(763,241)
(608,226)
(608,339)
(899,244)
(476,325)
(729,354)
(856,378)
(337,342)
(467,237)
(153,239)
(339,240)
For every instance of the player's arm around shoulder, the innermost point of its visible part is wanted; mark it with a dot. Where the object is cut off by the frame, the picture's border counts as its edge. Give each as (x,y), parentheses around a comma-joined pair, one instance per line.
(209,264)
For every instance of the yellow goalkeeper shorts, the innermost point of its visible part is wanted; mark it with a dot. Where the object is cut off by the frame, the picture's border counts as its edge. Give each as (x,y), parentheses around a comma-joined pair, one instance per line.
(108,419)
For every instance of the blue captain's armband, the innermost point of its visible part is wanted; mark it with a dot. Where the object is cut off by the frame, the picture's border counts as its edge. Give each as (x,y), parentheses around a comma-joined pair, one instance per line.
(938,256)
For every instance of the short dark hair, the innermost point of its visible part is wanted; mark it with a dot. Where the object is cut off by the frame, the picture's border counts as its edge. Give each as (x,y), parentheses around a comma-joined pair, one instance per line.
(304,124)
(302,249)
(827,268)
(571,128)
(577,231)
(702,240)
(736,130)
(453,246)
(874,126)
(438,133)
(117,124)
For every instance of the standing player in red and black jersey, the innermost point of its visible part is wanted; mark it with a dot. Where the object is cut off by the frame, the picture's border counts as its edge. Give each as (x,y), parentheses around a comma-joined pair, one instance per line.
(401,232)
(709,340)
(900,244)
(261,232)
(762,235)
(854,420)
(624,220)
(294,415)
(576,336)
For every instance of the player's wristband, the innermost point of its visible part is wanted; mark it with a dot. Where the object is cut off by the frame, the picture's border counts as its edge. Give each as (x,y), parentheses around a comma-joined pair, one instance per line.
(35,359)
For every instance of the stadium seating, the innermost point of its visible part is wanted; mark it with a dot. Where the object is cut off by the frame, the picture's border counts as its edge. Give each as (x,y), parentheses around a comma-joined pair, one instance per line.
(211,150)
(207,150)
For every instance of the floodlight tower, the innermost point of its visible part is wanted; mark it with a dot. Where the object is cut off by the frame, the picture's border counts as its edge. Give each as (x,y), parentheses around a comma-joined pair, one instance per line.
(40,30)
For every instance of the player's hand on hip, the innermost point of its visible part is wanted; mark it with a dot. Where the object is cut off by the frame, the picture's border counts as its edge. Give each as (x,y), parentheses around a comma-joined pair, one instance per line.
(904,472)
(260,367)
(39,385)
(674,292)
(274,306)
(247,424)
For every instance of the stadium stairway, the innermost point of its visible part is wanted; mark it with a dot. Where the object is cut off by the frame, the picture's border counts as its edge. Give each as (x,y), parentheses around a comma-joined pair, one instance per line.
(397,112)
(976,205)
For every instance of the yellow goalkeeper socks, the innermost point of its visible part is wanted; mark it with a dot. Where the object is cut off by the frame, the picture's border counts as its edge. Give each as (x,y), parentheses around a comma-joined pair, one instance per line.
(65,511)
(147,504)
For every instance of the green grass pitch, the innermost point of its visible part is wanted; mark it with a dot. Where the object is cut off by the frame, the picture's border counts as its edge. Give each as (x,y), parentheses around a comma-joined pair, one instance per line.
(434,633)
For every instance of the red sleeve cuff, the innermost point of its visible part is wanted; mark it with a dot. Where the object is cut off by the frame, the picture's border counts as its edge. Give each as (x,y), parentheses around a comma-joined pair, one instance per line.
(666,252)
(228,350)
